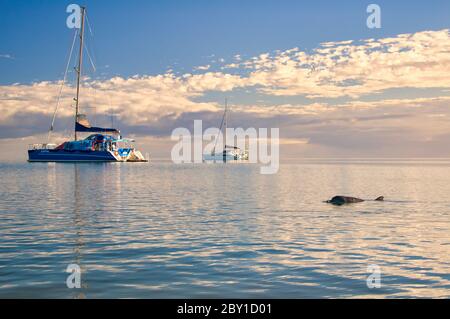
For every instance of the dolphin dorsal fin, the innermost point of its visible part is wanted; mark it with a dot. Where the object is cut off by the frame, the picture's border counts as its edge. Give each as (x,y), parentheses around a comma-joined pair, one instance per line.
(380,199)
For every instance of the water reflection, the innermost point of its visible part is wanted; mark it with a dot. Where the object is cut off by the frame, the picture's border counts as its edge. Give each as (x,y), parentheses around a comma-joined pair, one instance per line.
(79,225)
(163,230)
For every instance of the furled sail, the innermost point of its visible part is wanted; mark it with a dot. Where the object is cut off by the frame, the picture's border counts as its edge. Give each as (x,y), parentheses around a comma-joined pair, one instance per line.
(83,125)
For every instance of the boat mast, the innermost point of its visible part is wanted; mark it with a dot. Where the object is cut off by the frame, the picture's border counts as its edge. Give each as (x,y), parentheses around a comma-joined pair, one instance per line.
(78,69)
(225,131)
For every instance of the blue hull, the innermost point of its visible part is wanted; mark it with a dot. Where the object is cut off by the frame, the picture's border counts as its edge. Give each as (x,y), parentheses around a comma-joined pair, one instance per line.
(43,155)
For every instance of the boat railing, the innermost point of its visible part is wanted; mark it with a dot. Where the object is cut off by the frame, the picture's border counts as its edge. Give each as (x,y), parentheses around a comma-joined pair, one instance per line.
(45,146)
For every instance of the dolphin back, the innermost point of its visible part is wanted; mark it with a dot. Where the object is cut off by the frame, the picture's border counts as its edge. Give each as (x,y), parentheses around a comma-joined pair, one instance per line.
(341,200)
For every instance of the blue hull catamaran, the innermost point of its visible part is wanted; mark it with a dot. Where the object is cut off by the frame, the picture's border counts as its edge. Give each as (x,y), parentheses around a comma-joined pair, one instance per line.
(104,145)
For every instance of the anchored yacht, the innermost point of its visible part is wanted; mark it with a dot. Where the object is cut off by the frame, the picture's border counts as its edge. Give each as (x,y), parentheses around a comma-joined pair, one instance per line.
(106,145)
(229,153)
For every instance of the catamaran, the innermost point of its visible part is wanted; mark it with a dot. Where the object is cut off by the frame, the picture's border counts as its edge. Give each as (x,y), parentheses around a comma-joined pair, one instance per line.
(104,145)
(229,153)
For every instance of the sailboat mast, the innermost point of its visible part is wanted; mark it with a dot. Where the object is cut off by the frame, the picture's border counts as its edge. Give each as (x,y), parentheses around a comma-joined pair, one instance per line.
(80,63)
(224,153)
(225,123)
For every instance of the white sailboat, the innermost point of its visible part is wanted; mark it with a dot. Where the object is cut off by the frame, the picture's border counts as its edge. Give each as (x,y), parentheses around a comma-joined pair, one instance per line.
(228,153)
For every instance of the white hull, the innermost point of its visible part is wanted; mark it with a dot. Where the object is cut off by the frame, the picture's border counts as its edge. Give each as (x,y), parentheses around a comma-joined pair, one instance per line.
(228,157)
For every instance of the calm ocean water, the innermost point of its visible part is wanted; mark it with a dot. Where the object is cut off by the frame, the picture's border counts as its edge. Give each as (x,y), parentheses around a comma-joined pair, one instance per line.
(161,230)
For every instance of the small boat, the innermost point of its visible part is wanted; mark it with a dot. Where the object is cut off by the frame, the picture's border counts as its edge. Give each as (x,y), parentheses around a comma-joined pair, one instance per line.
(229,153)
(106,145)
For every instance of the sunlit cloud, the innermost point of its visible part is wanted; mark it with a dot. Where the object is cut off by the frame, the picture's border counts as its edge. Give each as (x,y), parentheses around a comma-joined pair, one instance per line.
(341,89)
(354,69)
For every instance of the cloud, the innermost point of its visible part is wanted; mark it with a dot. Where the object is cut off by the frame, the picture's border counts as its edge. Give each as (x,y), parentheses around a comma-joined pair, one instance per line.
(202,68)
(6,56)
(355,69)
(342,86)
(137,99)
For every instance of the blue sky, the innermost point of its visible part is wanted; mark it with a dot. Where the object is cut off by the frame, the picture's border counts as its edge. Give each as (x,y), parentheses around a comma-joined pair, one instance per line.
(314,69)
(148,37)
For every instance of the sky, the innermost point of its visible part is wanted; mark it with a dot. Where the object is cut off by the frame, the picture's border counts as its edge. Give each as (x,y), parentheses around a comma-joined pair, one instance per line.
(333,86)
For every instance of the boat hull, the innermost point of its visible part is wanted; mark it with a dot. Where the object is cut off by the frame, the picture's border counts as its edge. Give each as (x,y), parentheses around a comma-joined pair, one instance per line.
(44,155)
(227,157)
(220,158)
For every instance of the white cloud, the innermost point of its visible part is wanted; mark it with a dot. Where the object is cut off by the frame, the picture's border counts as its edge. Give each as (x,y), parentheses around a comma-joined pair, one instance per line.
(333,70)
(144,99)
(202,67)
(420,60)
(6,56)
(336,69)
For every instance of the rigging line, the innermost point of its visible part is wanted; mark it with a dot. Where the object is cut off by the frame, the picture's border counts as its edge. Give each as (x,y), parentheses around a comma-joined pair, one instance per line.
(89,26)
(62,86)
(90,59)
(220,130)
(112,111)
(92,36)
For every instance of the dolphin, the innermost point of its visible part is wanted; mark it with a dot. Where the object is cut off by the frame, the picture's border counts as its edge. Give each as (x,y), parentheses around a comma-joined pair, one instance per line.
(342,200)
